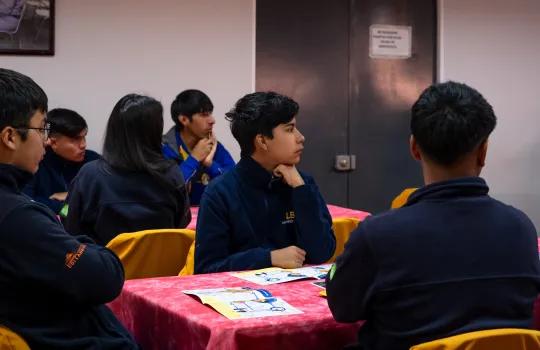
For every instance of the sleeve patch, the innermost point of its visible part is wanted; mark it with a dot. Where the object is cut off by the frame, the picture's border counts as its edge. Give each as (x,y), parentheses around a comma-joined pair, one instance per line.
(72,258)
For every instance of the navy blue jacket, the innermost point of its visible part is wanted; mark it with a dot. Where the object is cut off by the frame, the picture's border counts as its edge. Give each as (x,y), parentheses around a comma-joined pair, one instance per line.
(54,176)
(247,213)
(452,260)
(104,202)
(195,174)
(53,285)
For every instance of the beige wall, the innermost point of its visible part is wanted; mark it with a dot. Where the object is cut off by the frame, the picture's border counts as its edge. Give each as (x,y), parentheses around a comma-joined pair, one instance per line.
(494,45)
(106,49)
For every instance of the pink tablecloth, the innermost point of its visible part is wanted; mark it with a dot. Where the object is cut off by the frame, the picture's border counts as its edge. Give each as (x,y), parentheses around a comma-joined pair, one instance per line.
(335,212)
(161,317)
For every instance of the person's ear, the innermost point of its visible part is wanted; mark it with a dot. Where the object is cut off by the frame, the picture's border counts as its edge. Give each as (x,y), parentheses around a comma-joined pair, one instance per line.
(482,153)
(52,142)
(414,149)
(184,120)
(8,137)
(260,142)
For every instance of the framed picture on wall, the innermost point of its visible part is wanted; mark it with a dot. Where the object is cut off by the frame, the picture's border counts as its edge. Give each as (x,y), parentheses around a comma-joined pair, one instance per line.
(27,27)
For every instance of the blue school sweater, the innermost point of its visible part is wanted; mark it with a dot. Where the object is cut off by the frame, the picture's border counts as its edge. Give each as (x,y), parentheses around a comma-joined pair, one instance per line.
(452,260)
(53,286)
(247,213)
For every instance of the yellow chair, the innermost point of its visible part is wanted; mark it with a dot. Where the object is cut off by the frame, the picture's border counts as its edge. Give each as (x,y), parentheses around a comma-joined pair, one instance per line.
(153,253)
(401,199)
(10,340)
(342,230)
(492,339)
(189,266)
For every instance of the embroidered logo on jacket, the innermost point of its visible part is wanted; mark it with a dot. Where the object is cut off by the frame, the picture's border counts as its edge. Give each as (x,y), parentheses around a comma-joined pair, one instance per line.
(72,258)
(289,218)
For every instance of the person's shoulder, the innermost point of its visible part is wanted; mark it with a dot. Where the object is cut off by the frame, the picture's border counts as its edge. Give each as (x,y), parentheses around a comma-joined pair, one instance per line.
(509,212)
(221,147)
(169,138)
(30,210)
(174,174)
(92,169)
(389,221)
(90,156)
(226,183)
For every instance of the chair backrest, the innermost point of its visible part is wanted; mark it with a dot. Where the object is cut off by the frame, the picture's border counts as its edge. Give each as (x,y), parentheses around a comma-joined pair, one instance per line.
(153,253)
(342,228)
(10,340)
(189,266)
(401,199)
(492,339)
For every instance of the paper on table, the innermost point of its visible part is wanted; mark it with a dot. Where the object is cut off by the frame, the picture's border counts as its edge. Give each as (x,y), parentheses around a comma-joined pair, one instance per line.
(274,275)
(243,302)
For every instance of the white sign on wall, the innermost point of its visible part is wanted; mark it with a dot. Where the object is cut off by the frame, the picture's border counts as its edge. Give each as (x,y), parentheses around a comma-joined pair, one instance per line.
(387,41)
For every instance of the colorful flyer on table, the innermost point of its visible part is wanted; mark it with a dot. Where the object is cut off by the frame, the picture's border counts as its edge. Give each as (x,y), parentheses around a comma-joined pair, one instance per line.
(243,302)
(273,275)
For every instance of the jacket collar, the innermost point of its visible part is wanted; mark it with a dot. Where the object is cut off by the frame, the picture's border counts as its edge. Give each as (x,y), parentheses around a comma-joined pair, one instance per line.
(461,187)
(13,177)
(254,174)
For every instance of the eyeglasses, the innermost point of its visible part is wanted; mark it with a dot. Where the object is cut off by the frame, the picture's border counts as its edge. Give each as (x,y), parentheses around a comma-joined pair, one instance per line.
(43,131)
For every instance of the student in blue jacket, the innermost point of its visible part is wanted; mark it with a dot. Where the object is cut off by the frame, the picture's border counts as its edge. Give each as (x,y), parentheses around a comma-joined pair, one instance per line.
(65,154)
(263,212)
(192,143)
(53,286)
(453,259)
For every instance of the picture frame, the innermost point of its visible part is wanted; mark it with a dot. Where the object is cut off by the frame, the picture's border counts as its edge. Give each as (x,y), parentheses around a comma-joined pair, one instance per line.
(27,27)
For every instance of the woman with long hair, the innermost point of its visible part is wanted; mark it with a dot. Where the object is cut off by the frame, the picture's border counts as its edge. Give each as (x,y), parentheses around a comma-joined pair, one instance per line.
(133,187)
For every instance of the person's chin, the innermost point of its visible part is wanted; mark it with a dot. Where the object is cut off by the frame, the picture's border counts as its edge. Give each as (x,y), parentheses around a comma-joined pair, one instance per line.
(78,159)
(295,160)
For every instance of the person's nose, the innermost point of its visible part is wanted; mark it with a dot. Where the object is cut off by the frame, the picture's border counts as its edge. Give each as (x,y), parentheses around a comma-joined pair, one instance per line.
(300,137)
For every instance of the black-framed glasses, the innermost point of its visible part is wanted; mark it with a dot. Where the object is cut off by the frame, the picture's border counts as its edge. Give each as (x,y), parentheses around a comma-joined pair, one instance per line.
(44,131)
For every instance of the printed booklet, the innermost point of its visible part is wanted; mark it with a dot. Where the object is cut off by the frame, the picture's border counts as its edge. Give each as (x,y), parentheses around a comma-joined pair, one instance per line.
(243,302)
(273,275)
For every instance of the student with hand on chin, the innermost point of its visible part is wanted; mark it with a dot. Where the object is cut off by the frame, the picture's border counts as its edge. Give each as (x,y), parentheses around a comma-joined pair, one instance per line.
(263,212)
(192,144)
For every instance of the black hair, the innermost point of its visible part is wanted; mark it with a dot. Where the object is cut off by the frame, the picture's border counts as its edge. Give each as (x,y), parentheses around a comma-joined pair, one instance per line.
(66,122)
(133,137)
(259,113)
(450,120)
(20,98)
(188,103)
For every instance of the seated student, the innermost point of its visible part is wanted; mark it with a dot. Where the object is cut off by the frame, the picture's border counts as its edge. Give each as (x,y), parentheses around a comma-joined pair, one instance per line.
(453,259)
(133,187)
(65,155)
(53,285)
(192,144)
(263,212)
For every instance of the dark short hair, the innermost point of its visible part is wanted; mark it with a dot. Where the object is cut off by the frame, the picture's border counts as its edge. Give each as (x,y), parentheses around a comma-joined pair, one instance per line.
(20,98)
(188,103)
(66,122)
(450,120)
(259,113)
(133,137)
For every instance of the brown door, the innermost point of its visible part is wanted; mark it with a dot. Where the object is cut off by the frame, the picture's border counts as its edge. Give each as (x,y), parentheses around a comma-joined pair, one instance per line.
(351,103)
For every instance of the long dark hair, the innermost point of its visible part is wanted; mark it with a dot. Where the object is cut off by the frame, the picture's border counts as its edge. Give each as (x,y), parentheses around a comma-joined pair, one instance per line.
(133,137)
